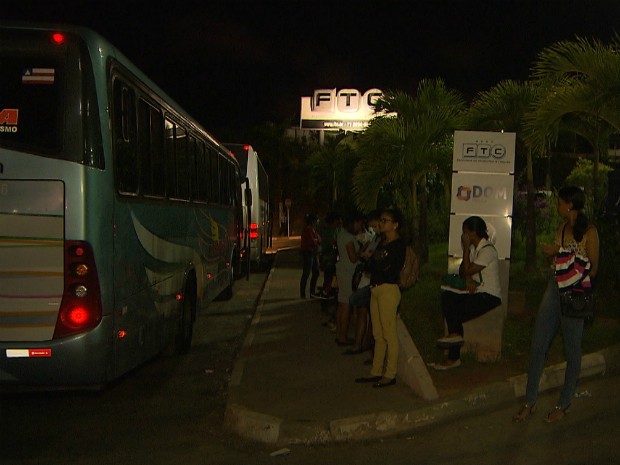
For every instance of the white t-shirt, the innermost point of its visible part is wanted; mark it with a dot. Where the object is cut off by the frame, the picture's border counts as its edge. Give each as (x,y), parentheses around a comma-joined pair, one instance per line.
(486,255)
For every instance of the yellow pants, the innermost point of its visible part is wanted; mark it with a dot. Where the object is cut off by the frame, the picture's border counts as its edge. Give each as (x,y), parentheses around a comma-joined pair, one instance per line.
(384,300)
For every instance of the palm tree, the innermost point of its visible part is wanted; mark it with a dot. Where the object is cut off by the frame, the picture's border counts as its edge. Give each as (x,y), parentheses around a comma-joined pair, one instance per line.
(329,169)
(503,108)
(400,147)
(581,94)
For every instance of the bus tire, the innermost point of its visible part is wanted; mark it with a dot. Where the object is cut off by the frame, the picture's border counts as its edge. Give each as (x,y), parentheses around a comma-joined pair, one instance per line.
(187,316)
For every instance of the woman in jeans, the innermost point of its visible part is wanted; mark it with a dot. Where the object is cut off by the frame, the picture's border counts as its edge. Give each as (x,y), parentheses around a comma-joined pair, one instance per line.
(577,234)
(385,266)
(310,242)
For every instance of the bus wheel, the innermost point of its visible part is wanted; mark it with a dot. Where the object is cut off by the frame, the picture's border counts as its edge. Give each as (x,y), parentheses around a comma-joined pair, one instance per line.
(183,340)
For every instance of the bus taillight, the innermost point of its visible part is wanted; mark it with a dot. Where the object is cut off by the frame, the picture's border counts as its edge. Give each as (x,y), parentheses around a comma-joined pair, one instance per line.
(80,308)
(253,231)
(58,38)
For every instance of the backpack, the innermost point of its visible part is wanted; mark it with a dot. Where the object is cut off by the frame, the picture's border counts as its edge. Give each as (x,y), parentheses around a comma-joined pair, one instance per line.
(411,269)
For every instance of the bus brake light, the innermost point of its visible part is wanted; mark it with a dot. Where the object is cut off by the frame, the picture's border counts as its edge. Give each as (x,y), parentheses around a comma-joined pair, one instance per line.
(75,317)
(58,38)
(253,231)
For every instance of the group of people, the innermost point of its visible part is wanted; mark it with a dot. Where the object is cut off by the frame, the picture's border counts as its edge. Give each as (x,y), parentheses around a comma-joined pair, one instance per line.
(377,241)
(374,244)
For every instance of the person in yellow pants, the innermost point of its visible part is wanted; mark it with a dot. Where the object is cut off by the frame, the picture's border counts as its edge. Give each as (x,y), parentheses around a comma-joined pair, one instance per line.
(385,266)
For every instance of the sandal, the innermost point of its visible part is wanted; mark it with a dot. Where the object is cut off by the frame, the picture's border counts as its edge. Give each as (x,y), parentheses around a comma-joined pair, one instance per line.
(556,414)
(524,412)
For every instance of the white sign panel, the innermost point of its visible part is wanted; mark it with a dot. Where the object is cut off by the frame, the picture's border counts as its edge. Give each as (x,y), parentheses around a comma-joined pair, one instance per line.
(489,152)
(499,229)
(347,109)
(482,193)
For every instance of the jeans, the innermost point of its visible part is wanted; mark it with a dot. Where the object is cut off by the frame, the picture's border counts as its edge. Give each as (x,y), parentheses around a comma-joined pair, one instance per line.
(548,321)
(310,264)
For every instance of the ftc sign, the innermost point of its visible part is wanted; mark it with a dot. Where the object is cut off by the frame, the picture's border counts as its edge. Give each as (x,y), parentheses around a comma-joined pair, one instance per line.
(487,152)
(484,151)
(344,109)
(345,100)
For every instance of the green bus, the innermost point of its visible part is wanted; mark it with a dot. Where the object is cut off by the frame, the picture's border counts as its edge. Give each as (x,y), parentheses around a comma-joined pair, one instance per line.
(120,216)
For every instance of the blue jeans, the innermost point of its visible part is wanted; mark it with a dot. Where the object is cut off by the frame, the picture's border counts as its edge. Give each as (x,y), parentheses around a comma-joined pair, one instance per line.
(310,265)
(548,321)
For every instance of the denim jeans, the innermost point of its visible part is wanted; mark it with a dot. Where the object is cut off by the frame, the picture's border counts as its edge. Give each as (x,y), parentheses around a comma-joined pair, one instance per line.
(310,265)
(548,321)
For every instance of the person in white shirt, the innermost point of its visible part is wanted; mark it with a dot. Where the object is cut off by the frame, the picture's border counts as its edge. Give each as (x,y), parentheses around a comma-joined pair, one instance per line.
(480,269)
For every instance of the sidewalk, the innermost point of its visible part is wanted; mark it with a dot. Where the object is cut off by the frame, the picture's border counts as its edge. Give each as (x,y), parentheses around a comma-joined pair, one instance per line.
(291,383)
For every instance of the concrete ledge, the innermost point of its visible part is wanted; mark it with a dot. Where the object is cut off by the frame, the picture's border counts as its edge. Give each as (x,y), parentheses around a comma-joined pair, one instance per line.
(483,335)
(411,367)
(252,425)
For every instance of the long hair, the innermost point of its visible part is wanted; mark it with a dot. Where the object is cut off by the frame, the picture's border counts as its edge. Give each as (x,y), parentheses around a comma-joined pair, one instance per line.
(477,225)
(575,196)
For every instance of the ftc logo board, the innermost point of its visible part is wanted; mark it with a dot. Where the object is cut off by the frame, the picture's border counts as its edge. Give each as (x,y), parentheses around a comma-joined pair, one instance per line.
(488,152)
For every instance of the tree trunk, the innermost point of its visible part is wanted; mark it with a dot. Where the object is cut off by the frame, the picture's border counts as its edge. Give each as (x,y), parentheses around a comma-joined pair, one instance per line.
(423,246)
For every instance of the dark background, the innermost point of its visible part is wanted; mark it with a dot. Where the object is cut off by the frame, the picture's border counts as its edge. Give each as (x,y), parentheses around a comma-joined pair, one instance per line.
(233,65)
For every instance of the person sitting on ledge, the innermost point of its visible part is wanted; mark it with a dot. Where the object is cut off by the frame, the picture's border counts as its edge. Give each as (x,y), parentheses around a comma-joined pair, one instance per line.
(480,269)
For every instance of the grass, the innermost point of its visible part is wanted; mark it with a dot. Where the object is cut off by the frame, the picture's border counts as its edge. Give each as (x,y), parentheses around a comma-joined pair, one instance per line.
(421,313)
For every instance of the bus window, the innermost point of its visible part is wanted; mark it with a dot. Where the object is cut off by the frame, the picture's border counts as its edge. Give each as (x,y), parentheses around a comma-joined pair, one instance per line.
(182,165)
(150,150)
(213,177)
(171,169)
(202,171)
(126,166)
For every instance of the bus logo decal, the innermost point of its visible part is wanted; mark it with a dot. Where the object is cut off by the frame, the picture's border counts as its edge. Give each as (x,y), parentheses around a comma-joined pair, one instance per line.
(8,120)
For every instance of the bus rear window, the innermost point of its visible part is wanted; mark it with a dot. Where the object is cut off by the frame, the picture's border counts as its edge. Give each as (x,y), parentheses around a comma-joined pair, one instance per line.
(31,104)
(47,103)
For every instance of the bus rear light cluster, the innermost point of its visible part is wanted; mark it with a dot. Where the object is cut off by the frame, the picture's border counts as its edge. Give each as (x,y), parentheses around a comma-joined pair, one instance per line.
(253,231)
(80,309)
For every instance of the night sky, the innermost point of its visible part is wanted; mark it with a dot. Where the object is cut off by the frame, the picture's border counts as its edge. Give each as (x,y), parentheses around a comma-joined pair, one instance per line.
(234,64)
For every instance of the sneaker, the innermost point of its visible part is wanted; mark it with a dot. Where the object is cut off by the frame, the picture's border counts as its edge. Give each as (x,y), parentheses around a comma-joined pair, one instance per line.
(451,340)
(317,296)
(447,365)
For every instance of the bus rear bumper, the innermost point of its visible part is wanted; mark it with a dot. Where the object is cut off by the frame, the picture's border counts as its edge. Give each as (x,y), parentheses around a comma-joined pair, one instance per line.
(80,361)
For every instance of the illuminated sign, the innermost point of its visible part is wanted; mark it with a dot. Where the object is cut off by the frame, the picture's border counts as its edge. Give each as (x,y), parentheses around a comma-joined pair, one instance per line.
(331,109)
(489,152)
(482,193)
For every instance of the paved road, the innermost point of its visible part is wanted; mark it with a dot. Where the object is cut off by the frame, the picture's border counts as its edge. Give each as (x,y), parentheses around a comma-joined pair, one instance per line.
(168,411)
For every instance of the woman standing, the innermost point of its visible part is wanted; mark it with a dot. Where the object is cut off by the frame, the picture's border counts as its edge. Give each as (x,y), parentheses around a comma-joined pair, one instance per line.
(385,266)
(578,235)
(348,248)
(480,269)
(310,242)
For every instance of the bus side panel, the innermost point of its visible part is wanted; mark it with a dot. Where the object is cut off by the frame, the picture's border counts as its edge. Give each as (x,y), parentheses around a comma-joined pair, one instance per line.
(155,247)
